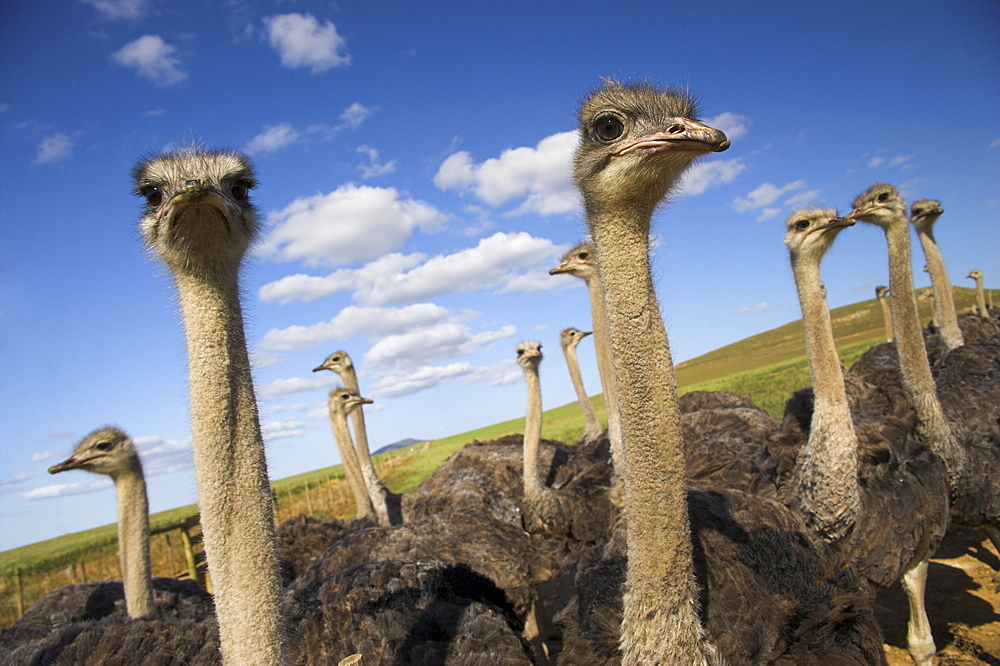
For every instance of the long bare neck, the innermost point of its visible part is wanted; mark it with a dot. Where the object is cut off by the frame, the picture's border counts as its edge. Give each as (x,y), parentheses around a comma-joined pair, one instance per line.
(133,542)
(373,484)
(532,435)
(592,423)
(944,302)
(660,621)
(981,298)
(349,458)
(233,489)
(917,379)
(605,368)
(887,318)
(827,468)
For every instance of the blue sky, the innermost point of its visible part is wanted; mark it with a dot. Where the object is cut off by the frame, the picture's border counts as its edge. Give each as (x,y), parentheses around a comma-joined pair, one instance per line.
(413,176)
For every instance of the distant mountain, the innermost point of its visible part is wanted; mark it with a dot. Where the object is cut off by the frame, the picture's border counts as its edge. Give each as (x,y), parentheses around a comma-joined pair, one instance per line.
(401,444)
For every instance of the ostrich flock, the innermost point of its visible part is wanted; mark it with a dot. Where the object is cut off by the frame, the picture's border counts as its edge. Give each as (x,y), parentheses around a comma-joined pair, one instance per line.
(692,530)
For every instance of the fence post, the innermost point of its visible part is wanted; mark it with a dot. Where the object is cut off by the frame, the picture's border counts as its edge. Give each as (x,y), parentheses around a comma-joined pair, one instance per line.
(20,592)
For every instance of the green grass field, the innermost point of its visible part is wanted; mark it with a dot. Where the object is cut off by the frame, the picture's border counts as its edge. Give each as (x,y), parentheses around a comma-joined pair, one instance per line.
(767,368)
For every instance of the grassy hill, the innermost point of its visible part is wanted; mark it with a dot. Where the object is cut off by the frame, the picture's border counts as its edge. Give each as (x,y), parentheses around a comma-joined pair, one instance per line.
(767,367)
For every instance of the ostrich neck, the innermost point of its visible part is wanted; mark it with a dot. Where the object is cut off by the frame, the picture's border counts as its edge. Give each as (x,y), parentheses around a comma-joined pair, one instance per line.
(605,368)
(827,468)
(917,379)
(981,298)
(349,458)
(593,424)
(944,302)
(133,543)
(887,318)
(533,488)
(375,488)
(660,607)
(233,490)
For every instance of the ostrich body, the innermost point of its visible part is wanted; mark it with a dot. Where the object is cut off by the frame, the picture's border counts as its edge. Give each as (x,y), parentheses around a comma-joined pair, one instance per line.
(882,295)
(923,214)
(580,262)
(569,339)
(110,451)
(384,501)
(200,222)
(635,143)
(977,275)
(848,503)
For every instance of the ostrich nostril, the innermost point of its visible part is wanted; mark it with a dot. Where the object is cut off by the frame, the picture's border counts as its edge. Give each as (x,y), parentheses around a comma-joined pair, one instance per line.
(192,183)
(676,129)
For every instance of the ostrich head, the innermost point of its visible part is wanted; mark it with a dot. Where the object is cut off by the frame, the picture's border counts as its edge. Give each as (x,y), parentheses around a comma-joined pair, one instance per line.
(529,354)
(635,140)
(579,262)
(198,211)
(881,291)
(975,274)
(344,401)
(338,362)
(881,205)
(571,337)
(811,232)
(924,213)
(105,451)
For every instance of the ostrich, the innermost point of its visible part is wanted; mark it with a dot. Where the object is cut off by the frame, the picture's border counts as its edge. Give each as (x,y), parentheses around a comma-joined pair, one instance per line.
(957,412)
(882,295)
(110,451)
(849,502)
(199,221)
(635,141)
(580,262)
(923,214)
(977,275)
(569,339)
(59,618)
(384,501)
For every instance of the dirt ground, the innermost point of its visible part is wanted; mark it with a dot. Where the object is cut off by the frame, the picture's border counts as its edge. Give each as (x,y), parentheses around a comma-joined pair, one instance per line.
(962,603)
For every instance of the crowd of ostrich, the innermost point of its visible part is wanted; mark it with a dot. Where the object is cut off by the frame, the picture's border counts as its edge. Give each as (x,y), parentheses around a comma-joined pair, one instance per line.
(693,530)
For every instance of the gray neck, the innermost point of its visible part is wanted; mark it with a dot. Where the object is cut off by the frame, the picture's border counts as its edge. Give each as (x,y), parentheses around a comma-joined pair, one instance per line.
(887,318)
(827,468)
(592,428)
(944,302)
(349,458)
(605,368)
(917,379)
(133,542)
(233,489)
(981,299)
(660,607)
(376,490)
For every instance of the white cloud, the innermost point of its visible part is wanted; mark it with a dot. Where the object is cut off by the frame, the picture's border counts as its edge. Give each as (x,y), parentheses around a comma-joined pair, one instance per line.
(760,307)
(119,9)
(62,489)
(282,429)
(494,262)
(374,168)
(302,287)
(899,159)
(272,138)
(354,320)
(17,478)
(54,148)
(709,173)
(993,144)
(432,343)
(396,384)
(302,42)
(153,58)
(733,124)
(541,175)
(356,114)
(803,198)
(765,195)
(353,223)
(44,455)
(320,381)
(163,456)
(875,161)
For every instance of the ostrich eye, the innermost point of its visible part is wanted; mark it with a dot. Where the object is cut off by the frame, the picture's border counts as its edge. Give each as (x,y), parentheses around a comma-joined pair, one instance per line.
(103,446)
(882,198)
(609,128)
(154,197)
(802,225)
(240,189)
(584,255)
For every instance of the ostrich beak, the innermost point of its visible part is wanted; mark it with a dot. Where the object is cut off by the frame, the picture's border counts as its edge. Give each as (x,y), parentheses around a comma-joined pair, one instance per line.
(584,334)
(70,463)
(839,223)
(683,134)
(319,367)
(561,268)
